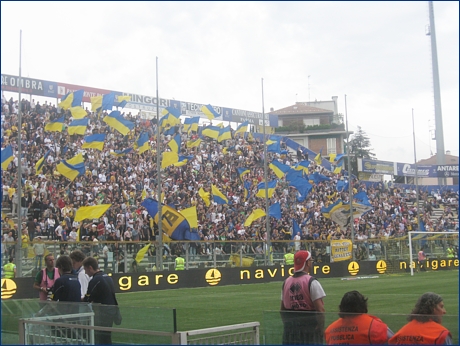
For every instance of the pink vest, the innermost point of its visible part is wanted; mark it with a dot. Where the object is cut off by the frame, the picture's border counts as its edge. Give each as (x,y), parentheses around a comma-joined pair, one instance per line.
(296,293)
(47,282)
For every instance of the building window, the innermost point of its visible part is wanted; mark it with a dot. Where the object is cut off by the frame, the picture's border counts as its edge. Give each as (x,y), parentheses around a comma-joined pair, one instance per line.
(331,146)
(311,122)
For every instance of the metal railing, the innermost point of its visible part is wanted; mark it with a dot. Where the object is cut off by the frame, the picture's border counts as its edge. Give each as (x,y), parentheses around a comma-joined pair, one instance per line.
(222,253)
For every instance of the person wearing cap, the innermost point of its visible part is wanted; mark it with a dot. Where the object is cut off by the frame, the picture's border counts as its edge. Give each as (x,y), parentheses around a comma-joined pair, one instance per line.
(424,327)
(302,306)
(355,326)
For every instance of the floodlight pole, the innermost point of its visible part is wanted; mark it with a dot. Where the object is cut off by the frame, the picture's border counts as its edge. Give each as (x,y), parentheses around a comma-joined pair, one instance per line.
(18,252)
(416,174)
(350,185)
(159,223)
(440,154)
(267,217)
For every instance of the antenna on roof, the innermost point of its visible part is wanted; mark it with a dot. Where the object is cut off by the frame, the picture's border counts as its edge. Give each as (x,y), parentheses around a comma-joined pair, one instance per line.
(308,88)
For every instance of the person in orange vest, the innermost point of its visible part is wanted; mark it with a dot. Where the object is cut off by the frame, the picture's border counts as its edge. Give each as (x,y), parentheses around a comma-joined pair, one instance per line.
(424,327)
(355,326)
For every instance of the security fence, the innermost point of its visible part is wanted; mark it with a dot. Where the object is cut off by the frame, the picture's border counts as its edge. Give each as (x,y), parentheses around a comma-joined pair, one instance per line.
(126,257)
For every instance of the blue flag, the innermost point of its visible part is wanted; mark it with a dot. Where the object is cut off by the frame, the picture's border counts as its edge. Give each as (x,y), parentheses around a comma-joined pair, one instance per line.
(275,210)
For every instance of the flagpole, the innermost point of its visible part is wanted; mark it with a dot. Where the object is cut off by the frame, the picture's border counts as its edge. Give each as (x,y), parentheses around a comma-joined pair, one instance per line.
(350,185)
(160,230)
(18,257)
(267,217)
(416,174)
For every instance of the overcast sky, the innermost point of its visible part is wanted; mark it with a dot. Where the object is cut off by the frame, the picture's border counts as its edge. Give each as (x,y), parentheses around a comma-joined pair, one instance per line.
(376,53)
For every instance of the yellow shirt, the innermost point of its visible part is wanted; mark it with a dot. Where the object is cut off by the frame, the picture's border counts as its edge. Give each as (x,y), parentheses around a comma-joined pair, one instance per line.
(25,241)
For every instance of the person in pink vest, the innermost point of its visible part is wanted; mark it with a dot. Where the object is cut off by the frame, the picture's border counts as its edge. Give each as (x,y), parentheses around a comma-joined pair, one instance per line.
(45,278)
(302,306)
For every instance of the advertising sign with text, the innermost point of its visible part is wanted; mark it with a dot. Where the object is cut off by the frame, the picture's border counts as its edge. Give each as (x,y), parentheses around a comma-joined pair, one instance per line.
(28,85)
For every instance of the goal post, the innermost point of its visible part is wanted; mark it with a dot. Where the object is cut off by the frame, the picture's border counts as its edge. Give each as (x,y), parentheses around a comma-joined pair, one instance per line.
(421,234)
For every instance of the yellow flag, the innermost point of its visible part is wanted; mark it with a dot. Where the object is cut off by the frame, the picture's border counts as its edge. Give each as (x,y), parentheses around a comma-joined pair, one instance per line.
(256,214)
(169,157)
(191,216)
(78,112)
(205,196)
(141,253)
(332,157)
(318,159)
(96,102)
(93,212)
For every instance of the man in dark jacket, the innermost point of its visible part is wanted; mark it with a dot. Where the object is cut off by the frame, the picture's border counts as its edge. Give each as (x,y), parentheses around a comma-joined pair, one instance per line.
(101,290)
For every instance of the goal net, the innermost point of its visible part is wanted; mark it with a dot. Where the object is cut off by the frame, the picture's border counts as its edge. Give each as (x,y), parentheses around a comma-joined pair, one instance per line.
(420,240)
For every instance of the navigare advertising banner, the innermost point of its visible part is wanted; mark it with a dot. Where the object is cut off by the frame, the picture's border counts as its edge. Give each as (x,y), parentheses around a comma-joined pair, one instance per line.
(341,250)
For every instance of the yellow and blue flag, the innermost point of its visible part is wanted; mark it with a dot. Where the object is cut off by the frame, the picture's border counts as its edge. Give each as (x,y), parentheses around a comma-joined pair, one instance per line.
(73,99)
(169,158)
(242,171)
(78,127)
(256,214)
(122,101)
(218,196)
(317,177)
(55,125)
(303,187)
(247,189)
(119,153)
(76,159)
(275,210)
(70,171)
(224,133)
(7,157)
(175,143)
(273,145)
(242,128)
(302,166)
(279,168)
(211,131)
(108,101)
(191,124)
(195,143)
(78,112)
(116,121)
(318,158)
(191,216)
(206,196)
(270,187)
(183,160)
(94,141)
(174,224)
(342,186)
(92,212)
(40,163)
(142,143)
(338,168)
(209,112)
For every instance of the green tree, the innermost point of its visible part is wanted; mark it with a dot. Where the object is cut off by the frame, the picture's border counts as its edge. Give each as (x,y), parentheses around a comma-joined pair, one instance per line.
(360,147)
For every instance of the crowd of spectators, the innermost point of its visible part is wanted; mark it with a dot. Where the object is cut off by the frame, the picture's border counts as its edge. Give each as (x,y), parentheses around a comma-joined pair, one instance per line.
(50,200)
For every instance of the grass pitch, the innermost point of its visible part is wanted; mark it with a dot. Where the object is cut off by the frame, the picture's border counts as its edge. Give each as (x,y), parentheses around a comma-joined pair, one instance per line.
(391,297)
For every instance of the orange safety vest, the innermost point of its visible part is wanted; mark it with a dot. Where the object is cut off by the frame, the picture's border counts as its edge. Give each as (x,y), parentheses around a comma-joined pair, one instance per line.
(421,333)
(361,329)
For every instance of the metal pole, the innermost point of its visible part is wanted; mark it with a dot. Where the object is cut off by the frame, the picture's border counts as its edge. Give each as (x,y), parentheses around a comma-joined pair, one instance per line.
(160,230)
(267,217)
(350,185)
(440,158)
(416,174)
(18,257)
